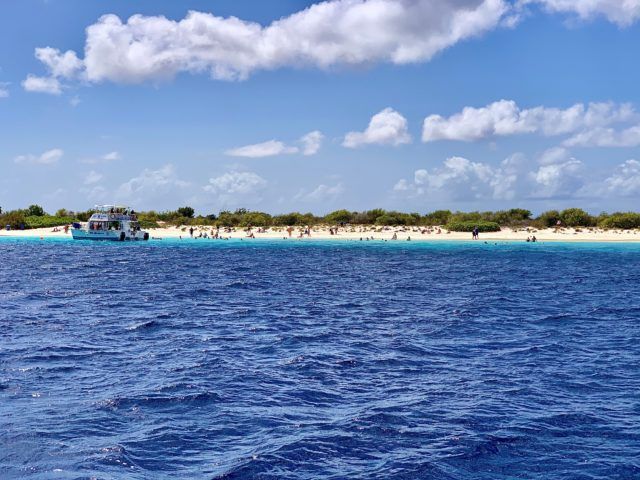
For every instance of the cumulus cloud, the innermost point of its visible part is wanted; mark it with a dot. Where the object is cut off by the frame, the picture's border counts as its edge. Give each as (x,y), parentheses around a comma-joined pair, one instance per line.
(504,118)
(621,12)
(151,184)
(387,127)
(232,183)
(50,85)
(106,158)
(321,193)
(60,65)
(625,180)
(606,137)
(335,32)
(92,177)
(311,142)
(558,174)
(50,157)
(310,145)
(460,178)
(260,150)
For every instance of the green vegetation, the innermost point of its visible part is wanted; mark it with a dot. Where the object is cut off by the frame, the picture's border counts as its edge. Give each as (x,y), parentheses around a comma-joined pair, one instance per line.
(627,220)
(35,217)
(469,226)
(45,221)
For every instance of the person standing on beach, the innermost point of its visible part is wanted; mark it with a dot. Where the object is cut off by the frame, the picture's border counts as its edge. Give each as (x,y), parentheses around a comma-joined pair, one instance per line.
(289,231)
(475,233)
(191,232)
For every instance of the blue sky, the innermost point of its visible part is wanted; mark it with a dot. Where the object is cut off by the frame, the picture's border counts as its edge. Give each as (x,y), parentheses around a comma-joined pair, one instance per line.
(406,104)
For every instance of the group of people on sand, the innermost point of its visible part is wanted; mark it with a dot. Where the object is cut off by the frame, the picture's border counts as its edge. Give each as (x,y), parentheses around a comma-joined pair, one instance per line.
(65,228)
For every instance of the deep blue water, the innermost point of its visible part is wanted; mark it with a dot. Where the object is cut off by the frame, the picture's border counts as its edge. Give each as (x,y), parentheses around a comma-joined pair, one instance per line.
(205,359)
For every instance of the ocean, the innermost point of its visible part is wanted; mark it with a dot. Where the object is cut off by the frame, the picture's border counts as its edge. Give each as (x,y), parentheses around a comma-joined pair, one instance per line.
(208,359)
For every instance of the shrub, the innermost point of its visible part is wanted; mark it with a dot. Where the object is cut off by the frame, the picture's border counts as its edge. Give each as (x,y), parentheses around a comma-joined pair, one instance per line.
(439,217)
(398,218)
(467,226)
(339,216)
(14,219)
(626,221)
(549,218)
(186,212)
(295,218)
(576,217)
(46,221)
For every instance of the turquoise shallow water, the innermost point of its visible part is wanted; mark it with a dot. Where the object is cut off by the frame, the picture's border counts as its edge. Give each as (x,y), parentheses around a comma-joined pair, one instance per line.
(319,359)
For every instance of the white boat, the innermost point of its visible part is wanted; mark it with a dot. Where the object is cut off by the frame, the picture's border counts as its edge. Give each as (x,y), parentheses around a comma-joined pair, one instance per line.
(110,222)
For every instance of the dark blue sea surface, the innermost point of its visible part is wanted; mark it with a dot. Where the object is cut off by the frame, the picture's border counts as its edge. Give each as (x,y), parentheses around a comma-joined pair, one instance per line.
(305,360)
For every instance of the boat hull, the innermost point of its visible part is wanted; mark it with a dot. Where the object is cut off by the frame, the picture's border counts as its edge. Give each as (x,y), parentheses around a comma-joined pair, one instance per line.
(110,235)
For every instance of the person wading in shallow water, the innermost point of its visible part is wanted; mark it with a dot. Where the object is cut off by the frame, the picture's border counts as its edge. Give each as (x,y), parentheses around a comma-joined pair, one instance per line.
(475,233)
(191,231)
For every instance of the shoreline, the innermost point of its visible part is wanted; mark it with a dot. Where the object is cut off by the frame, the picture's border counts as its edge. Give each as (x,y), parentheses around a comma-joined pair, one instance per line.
(419,234)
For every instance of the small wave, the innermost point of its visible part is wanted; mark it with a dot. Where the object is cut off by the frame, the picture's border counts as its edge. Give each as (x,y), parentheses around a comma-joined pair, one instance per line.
(143,326)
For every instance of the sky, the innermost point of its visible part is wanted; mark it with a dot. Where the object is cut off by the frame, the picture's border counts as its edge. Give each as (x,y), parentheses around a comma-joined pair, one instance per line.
(413,105)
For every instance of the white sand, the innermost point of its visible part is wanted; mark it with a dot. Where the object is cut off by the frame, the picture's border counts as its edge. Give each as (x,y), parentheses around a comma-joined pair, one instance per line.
(378,233)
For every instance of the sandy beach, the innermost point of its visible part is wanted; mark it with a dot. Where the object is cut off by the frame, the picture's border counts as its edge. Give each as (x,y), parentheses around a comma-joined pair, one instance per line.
(370,232)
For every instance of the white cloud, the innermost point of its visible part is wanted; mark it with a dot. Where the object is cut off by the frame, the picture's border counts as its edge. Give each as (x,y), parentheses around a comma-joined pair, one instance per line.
(504,117)
(260,150)
(387,127)
(97,193)
(48,85)
(321,193)
(606,137)
(625,181)
(4,91)
(560,179)
(231,183)
(111,156)
(59,65)
(64,65)
(106,158)
(92,177)
(150,184)
(311,142)
(336,32)
(460,178)
(621,12)
(50,157)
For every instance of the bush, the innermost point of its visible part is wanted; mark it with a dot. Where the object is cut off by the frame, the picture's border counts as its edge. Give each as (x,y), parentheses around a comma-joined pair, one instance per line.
(187,212)
(576,217)
(339,216)
(439,217)
(467,226)
(14,219)
(46,221)
(398,218)
(626,221)
(296,218)
(549,218)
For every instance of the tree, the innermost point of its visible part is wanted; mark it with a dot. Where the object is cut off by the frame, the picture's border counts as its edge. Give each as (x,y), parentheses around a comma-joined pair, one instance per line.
(549,218)
(339,216)
(576,217)
(35,211)
(62,213)
(439,217)
(186,212)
